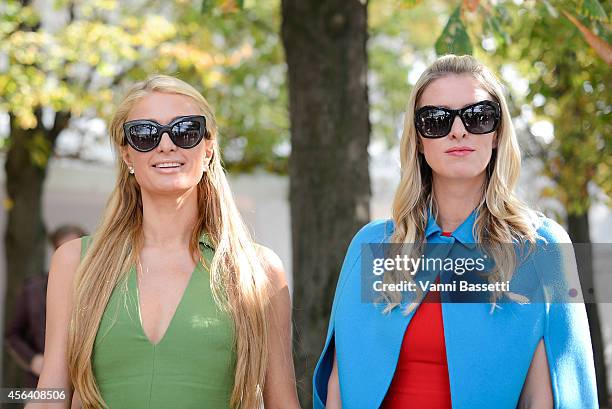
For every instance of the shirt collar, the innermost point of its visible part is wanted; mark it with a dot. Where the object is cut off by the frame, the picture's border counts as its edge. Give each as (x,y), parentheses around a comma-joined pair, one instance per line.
(464,233)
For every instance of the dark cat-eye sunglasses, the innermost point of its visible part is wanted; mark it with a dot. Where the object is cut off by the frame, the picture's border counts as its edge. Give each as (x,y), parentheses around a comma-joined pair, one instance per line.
(185,132)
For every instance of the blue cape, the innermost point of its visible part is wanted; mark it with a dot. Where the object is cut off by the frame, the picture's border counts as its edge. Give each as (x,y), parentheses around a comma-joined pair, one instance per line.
(488,353)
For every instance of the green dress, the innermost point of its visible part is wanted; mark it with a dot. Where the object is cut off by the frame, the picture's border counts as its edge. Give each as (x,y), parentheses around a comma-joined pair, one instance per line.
(191,367)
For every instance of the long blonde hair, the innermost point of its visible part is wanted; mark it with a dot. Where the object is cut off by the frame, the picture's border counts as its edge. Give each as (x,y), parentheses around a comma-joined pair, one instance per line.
(502,217)
(238,281)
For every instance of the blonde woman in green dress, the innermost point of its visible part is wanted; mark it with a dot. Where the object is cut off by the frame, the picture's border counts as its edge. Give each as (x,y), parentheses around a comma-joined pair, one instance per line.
(169,304)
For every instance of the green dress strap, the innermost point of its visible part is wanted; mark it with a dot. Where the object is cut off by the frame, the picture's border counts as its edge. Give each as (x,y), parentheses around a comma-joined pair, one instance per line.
(85,242)
(192,366)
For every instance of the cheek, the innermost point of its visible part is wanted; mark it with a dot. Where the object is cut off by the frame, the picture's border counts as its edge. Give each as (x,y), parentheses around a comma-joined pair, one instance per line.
(433,150)
(196,161)
(140,160)
(485,148)
(487,141)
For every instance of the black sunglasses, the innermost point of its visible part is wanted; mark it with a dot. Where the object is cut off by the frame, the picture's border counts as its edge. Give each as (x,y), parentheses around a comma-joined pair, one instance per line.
(479,118)
(185,132)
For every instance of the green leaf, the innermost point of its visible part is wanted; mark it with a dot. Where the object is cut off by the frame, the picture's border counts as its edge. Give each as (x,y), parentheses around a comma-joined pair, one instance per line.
(409,3)
(40,150)
(594,10)
(240,4)
(207,5)
(454,38)
(498,32)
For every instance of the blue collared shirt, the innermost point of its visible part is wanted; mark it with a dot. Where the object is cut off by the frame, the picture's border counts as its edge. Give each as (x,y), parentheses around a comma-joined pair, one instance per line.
(464,233)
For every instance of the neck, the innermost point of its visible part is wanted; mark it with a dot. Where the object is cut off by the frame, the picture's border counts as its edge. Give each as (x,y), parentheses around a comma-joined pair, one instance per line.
(456,199)
(168,220)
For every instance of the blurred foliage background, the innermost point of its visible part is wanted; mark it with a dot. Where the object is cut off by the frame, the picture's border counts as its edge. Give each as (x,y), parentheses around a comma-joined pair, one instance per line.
(80,62)
(81,59)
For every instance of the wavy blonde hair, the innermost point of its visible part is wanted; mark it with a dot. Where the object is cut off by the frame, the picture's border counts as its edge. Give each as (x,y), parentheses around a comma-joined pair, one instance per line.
(238,281)
(502,217)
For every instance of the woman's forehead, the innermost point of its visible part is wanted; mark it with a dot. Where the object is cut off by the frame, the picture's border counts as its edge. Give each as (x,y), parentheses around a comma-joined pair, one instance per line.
(163,107)
(454,92)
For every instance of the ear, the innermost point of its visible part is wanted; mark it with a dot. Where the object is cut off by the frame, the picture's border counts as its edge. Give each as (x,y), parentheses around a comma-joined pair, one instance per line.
(495,140)
(208,153)
(125,155)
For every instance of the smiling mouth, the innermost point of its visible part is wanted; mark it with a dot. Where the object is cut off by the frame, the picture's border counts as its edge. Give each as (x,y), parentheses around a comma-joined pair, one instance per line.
(168,165)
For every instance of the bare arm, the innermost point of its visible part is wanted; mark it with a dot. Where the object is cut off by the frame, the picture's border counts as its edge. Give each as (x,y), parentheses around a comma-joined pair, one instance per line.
(280,389)
(76,401)
(537,391)
(333,388)
(54,374)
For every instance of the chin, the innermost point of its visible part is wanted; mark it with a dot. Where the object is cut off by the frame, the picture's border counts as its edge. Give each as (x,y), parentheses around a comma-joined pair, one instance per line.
(461,173)
(171,188)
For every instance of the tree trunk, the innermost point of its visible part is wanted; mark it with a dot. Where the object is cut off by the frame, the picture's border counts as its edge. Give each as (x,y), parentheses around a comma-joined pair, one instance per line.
(25,235)
(25,238)
(578,229)
(325,46)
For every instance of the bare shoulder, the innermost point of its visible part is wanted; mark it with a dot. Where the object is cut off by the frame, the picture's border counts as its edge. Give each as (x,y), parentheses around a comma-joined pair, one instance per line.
(273,266)
(64,264)
(65,261)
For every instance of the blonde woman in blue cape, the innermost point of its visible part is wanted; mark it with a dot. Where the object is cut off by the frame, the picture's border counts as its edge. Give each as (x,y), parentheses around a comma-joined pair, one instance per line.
(524,345)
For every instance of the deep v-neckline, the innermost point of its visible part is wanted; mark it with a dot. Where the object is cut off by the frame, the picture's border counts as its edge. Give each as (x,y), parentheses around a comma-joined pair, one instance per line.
(176,310)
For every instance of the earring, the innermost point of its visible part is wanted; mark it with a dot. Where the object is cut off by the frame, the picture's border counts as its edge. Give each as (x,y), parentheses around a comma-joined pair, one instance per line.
(131,169)
(205,167)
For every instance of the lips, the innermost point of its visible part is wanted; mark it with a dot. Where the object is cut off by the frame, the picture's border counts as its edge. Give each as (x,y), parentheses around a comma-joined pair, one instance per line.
(460,149)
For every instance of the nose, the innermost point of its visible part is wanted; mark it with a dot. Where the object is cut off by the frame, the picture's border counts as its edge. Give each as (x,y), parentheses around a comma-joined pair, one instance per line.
(166,144)
(457,129)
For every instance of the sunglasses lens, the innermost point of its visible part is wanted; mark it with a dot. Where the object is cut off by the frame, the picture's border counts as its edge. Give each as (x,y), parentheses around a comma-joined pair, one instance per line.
(433,122)
(187,133)
(143,136)
(481,118)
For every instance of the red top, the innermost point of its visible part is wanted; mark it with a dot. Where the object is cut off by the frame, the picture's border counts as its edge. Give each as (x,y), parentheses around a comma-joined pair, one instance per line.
(421,376)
